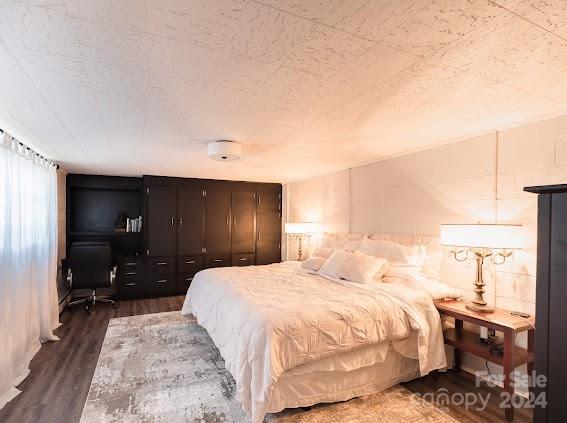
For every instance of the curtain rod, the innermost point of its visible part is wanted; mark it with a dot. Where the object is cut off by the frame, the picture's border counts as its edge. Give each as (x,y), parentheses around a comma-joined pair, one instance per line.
(34,152)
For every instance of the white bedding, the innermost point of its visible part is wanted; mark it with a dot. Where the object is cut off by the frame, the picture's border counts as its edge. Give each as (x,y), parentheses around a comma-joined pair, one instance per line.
(266,320)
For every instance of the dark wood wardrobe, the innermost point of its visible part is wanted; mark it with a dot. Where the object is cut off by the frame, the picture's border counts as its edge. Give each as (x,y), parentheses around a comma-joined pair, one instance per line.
(193,224)
(551,301)
(187,225)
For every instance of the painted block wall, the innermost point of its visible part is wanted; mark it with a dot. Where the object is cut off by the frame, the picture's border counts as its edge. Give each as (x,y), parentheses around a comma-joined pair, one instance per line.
(480,179)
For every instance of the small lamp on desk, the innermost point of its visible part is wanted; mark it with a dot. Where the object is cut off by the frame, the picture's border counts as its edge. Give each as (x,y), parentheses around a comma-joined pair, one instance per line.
(300,231)
(482,241)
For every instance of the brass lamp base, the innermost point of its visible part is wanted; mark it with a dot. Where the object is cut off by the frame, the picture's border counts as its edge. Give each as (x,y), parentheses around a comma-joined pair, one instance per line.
(480,308)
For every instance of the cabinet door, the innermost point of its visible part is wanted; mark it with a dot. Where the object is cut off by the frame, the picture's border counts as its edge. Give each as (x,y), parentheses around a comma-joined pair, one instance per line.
(217,221)
(269,201)
(268,247)
(557,312)
(190,230)
(161,221)
(243,222)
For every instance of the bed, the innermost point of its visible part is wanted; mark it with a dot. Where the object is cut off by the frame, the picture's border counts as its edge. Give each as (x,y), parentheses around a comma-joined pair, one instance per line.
(292,338)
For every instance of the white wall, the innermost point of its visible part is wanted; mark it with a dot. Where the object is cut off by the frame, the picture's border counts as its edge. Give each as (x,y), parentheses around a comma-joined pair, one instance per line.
(476,180)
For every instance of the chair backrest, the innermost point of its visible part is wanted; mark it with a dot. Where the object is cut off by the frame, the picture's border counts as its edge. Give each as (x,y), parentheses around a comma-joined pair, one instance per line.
(91,263)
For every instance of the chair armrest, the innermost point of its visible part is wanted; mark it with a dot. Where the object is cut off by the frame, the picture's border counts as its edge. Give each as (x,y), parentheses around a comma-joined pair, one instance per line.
(113,275)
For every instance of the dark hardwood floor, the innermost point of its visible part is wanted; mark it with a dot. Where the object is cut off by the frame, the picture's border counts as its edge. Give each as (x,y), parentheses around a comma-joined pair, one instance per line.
(61,372)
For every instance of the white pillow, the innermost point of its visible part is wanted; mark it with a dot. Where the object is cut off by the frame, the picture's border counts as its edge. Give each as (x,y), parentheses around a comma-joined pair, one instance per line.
(351,246)
(323,252)
(313,263)
(396,254)
(413,278)
(361,268)
(334,263)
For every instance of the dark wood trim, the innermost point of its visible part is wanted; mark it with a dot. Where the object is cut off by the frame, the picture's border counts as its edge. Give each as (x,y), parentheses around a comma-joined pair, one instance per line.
(177,182)
(103,182)
(546,189)
(542,297)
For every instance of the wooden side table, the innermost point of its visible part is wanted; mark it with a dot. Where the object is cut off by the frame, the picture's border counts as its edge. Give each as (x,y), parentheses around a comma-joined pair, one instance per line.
(502,321)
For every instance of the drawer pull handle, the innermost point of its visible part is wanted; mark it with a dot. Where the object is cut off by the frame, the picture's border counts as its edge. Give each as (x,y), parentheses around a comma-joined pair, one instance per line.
(131,284)
(131,263)
(162,281)
(190,262)
(189,279)
(217,260)
(161,263)
(130,273)
(243,259)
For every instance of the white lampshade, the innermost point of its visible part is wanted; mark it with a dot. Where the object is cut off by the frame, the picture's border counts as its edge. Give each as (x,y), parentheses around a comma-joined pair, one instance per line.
(492,236)
(302,228)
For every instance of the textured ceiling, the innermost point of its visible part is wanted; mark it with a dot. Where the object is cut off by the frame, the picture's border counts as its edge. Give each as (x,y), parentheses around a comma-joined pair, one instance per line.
(133,87)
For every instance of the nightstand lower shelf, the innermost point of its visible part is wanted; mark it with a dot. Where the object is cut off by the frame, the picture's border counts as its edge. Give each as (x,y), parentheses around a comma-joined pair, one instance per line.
(466,340)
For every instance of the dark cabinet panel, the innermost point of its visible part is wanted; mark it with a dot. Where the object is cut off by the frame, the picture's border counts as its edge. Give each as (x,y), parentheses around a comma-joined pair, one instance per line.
(189,264)
(183,281)
(190,234)
(269,201)
(130,278)
(557,291)
(159,284)
(217,221)
(243,222)
(268,247)
(161,221)
(161,265)
(243,259)
(551,296)
(218,260)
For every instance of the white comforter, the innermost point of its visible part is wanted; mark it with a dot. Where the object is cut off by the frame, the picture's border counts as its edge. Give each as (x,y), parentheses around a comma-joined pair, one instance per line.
(266,320)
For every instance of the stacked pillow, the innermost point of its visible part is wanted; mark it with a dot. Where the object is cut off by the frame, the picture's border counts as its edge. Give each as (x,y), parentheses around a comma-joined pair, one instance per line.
(380,260)
(341,264)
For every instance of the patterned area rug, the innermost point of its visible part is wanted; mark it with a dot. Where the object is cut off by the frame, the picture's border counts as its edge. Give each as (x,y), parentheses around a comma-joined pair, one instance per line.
(164,368)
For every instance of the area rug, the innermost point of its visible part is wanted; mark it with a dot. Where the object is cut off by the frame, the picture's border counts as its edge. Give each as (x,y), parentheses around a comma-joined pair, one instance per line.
(164,368)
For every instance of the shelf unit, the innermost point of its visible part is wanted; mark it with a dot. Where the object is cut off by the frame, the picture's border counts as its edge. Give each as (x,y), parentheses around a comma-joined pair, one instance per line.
(93,204)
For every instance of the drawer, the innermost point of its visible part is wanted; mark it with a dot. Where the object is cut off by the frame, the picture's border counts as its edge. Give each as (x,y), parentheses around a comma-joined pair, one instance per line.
(162,265)
(243,259)
(189,264)
(161,284)
(218,261)
(130,271)
(183,281)
(130,286)
(130,263)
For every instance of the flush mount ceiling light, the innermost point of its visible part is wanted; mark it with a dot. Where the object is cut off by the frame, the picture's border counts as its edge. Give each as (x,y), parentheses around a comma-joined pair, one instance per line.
(225,151)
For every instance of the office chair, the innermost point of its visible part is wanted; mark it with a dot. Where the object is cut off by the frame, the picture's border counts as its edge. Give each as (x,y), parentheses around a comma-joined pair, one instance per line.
(91,268)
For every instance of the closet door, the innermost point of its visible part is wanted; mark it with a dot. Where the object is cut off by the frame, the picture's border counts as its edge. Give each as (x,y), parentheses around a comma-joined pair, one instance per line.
(268,247)
(269,202)
(243,222)
(191,229)
(161,222)
(217,221)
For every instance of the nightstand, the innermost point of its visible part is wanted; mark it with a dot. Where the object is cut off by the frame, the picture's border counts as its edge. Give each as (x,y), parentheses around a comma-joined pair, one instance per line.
(502,321)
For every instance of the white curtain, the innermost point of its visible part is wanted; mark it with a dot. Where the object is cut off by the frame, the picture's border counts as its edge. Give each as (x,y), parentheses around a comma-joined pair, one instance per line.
(28,260)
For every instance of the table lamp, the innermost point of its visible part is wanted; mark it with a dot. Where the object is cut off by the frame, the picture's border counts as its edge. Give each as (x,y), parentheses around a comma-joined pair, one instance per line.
(482,241)
(300,231)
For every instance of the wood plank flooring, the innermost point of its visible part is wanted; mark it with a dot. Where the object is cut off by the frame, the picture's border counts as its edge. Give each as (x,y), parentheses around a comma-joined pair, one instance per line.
(61,372)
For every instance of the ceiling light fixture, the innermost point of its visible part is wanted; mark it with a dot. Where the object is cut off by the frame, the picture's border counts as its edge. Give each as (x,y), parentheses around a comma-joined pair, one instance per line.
(224,150)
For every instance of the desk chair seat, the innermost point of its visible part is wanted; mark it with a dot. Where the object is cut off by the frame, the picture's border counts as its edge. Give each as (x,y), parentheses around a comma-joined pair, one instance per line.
(91,268)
